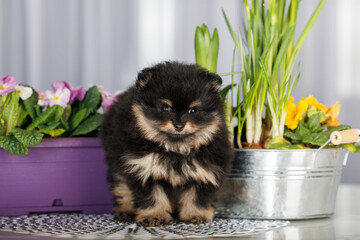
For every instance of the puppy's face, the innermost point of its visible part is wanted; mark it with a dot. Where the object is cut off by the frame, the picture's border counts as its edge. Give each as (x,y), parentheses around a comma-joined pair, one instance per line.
(178,106)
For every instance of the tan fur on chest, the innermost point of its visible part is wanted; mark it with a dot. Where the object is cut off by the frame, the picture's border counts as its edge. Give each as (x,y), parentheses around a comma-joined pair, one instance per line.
(152,166)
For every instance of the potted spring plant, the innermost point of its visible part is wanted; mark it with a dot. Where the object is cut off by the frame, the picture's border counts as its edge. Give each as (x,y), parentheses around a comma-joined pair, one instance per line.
(281,170)
(51,158)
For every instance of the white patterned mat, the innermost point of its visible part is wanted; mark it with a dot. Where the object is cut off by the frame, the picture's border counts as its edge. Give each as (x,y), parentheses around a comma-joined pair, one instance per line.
(104,226)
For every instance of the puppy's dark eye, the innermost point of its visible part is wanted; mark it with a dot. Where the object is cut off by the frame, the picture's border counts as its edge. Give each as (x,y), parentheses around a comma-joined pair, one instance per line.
(192,110)
(165,109)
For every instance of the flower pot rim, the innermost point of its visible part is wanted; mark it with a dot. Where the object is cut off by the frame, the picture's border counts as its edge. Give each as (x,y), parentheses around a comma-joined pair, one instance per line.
(69,142)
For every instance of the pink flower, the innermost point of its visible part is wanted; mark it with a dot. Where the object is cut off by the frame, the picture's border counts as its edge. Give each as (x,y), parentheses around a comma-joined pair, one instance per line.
(43,99)
(59,84)
(60,97)
(104,94)
(106,103)
(7,84)
(75,92)
(107,98)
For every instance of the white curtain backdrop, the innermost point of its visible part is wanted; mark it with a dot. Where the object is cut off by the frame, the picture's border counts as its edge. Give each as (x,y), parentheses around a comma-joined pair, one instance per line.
(102,41)
(330,64)
(106,42)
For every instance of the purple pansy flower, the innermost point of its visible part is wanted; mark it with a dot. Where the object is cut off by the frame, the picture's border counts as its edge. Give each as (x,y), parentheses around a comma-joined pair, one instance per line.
(75,92)
(7,84)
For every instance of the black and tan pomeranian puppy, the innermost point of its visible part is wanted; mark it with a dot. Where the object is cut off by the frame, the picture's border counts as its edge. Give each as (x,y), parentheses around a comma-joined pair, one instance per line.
(167,146)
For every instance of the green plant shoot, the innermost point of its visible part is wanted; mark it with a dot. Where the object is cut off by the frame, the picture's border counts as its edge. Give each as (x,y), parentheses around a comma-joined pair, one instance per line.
(268,50)
(206,48)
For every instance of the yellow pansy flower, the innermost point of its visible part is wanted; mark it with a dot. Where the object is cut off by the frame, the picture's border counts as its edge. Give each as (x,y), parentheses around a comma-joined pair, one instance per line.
(333,112)
(294,112)
(314,103)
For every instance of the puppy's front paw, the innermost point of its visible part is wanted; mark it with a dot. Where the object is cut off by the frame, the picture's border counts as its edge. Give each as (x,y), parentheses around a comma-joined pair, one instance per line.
(153,221)
(124,217)
(191,212)
(197,220)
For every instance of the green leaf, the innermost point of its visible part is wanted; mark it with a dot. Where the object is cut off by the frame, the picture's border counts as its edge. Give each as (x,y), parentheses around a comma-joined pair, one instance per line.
(302,130)
(53,132)
(281,143)
(56,115)
(67,113)
(292,135)
(207,37)
(22,116)
(213,51)
(31,103)
(28,138)
(12,145)
(65,124)
(319,139)
(200,48)
(89,125)
(311,111)
(323,116)
(49,126)
(233,35)
(339,128)
(321,128)
(351,147)
(38,110)
(92,99)
(223,92)
(308,26)
(11,111)
(77,118)
(51,114)
(314,122)
(2,130)
(228,117)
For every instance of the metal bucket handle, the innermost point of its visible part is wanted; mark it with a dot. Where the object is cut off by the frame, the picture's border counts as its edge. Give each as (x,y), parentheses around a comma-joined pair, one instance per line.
(342,137)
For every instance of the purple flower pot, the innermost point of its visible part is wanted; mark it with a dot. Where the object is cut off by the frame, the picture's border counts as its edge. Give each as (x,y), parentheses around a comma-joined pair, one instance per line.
(58,175)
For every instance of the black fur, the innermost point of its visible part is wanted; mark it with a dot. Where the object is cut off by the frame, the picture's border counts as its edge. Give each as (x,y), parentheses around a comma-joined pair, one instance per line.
(123,140)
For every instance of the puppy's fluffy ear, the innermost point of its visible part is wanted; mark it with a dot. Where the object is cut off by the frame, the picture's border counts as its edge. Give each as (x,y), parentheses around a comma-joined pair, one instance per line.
(144,77)
(215,81)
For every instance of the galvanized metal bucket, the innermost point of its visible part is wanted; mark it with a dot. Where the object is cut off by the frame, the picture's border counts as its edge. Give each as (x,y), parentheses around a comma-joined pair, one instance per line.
(282,184)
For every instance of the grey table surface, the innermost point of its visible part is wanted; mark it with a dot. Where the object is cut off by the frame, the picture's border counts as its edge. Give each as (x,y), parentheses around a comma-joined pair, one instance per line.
(344,224)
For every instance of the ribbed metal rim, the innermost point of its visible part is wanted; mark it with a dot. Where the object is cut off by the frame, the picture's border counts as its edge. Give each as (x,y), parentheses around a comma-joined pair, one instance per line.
(290,150)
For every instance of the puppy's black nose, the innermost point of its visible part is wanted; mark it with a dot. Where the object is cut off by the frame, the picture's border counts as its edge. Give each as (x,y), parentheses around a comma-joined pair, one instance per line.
(179,127)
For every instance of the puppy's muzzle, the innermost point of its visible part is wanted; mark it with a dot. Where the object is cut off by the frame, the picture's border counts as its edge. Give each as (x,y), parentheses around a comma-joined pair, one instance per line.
(179,127)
